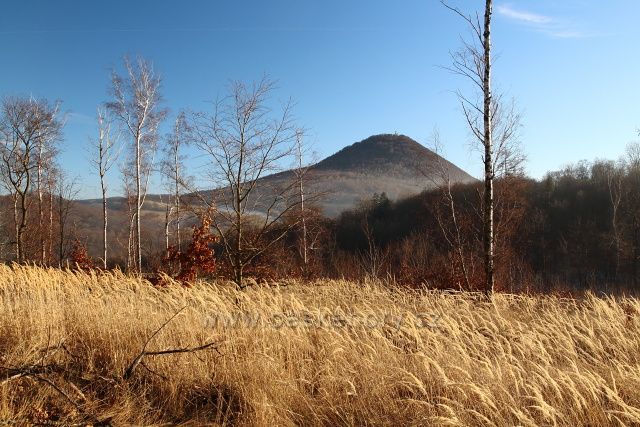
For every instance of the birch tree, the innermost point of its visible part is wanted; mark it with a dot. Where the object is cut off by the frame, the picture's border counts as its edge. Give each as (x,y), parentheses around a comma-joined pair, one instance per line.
(136,105)
(300,172)
(493,122)
(103,156)
(307,215)
(46,153)
(174,171)
(130,211)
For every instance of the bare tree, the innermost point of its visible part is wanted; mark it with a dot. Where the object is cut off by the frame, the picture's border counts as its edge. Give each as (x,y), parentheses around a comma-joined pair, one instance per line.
(25,125)
(309,229)
(136,104)
(301,174)
(372,258)
(438,174)
(245,140)
(493,123)
(174,170)
(67,192)
(103,156)
(615,179)
(47,150)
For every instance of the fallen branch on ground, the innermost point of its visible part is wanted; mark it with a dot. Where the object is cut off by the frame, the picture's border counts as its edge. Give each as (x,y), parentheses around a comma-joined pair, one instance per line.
(138,359)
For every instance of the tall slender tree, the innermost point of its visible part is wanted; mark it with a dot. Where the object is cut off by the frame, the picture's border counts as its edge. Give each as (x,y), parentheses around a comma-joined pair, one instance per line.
(103,156)
(493,122)
(67,190)
(300,172)
(46,153)
(137,105)
(489,239)
(174,171)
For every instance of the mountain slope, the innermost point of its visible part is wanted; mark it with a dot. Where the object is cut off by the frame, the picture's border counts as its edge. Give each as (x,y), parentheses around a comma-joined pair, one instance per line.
(390,163)
(389,154)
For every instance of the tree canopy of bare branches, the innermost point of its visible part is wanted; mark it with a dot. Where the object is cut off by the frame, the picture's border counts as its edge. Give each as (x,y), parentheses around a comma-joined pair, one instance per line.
(175,172)
(244,140)
(29,130)
(104,153)
(136,104)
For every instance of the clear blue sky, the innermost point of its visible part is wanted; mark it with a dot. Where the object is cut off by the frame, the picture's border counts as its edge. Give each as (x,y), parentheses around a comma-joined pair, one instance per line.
(355,68)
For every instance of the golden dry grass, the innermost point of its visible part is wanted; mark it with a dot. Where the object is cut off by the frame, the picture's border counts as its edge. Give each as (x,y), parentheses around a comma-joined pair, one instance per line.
(378,357)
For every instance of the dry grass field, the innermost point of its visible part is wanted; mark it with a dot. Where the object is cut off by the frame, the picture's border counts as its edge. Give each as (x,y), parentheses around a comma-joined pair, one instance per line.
(330,353)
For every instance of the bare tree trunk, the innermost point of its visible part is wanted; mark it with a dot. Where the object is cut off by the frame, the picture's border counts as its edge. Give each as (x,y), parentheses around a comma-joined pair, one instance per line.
(305,259)
(374,258)
(176,160)
(61,227)
(167,221)
(66,195)
(614,181)
(50,233)
(173,166)
(488,154)
(238,267)
(442,180)
(130,214)
(300,174)
(16,225)
(23,221)
(130,242)
(20,218)
(104,222)
(138,208)
(40,205)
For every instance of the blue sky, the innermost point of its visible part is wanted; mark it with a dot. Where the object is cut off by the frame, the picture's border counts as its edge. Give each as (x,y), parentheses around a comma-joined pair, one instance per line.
(354,68)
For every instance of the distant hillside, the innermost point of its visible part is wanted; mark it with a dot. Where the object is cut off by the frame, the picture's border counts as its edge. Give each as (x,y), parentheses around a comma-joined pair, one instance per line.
(390,155)
(390,163)
(394,164)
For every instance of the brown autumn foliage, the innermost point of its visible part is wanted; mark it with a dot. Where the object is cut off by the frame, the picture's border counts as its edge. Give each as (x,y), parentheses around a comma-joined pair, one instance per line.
(198,259)
(79,256)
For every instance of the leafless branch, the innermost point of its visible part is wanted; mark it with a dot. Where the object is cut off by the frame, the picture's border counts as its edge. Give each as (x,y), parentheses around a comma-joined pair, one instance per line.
(144,353)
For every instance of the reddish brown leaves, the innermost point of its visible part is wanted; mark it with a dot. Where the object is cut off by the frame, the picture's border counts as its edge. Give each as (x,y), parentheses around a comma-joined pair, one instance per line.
(198,259)
(79,256)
